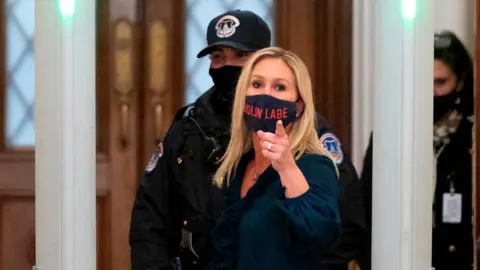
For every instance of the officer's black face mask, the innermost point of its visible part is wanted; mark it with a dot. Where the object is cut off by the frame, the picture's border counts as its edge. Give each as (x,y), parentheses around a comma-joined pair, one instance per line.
(443,104)
(225,80)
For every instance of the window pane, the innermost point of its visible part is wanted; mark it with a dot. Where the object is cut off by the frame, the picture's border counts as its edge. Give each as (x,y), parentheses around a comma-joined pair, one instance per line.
(20,66)
(199,13)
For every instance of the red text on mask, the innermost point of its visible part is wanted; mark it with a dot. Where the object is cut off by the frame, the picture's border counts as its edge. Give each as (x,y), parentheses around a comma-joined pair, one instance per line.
(266,113)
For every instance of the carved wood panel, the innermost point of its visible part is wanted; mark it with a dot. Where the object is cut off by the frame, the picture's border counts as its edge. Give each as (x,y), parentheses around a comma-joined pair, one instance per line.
(162,89)
(123,55)
(123,44)
(156,72)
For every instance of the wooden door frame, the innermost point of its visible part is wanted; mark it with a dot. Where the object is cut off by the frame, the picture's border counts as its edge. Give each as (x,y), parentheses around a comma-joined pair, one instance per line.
(323,39)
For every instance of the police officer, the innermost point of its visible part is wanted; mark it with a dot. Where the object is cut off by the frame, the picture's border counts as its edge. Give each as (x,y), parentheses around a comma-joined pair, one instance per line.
(176,204)
(452,238)
(353,233)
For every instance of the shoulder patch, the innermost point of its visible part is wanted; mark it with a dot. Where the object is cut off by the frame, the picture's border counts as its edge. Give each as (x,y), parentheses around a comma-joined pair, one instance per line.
(155,157)
(332,144)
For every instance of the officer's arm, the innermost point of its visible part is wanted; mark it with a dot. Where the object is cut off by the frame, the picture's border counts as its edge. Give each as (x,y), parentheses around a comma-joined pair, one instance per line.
(153,225)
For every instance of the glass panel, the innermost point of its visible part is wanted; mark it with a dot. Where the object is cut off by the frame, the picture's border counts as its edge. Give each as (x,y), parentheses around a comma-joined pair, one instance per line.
(199,13)
(20,66)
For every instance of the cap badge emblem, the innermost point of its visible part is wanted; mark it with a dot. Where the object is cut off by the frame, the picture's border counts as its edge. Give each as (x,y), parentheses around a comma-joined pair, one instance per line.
(226,26)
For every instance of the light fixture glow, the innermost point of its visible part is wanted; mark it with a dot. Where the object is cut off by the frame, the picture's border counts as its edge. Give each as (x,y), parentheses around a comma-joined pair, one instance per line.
(409,9)
(67,7)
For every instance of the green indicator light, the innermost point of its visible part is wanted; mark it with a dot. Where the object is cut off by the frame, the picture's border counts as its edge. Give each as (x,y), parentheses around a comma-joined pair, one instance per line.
(408,9)
(67,7)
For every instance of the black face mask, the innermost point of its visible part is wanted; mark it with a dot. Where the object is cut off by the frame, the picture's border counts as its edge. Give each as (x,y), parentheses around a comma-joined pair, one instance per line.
(443,104)
(263,111)
(225,80)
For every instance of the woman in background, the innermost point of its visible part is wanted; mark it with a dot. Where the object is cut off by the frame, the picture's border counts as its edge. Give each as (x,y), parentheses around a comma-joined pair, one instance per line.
(282,193)
(452,238)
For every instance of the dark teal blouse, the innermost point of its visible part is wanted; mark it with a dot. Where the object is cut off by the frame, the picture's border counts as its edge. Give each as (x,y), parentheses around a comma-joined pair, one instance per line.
(265,230)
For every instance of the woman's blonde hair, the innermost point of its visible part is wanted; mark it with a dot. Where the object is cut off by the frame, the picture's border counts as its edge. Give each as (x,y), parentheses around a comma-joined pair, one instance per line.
(303,136)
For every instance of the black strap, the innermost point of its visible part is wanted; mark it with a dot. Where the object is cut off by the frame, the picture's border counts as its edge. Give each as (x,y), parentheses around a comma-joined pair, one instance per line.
(189,111)
(184,111)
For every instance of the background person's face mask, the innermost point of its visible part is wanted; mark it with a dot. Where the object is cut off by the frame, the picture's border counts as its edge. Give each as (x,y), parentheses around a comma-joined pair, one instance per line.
(225,80)
(443,104)
(263,111)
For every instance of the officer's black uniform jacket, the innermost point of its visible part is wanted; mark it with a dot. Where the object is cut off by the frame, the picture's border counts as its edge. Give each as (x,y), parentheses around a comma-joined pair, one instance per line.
(452,244)
(178,192)
(353,231)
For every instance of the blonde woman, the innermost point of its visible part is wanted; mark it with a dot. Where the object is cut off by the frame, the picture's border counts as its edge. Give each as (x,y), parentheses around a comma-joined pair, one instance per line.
(282,186)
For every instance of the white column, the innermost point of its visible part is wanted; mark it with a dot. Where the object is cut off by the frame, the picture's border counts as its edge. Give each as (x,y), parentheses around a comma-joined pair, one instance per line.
(65,212)
(402,147)
(362,87)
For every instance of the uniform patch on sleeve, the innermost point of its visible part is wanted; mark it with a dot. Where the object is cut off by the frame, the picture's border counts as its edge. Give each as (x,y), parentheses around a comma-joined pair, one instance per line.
(154,159)
(332,144)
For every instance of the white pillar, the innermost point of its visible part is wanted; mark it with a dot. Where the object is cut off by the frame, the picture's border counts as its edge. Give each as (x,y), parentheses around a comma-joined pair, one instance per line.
(65,199)
(362,73)
(402,146)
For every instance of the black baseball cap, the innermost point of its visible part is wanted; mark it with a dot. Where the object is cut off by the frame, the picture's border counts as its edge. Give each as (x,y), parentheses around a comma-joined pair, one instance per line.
(240,29)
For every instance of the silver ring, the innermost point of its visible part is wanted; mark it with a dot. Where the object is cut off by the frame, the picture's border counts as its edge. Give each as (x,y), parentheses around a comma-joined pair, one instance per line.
(269,147)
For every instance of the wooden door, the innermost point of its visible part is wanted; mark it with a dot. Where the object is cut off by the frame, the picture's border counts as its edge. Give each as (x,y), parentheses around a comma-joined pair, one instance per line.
(137,72)
(146,70)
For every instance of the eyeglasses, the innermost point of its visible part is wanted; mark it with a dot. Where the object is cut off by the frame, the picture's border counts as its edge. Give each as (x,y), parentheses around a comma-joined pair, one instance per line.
(442,42)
